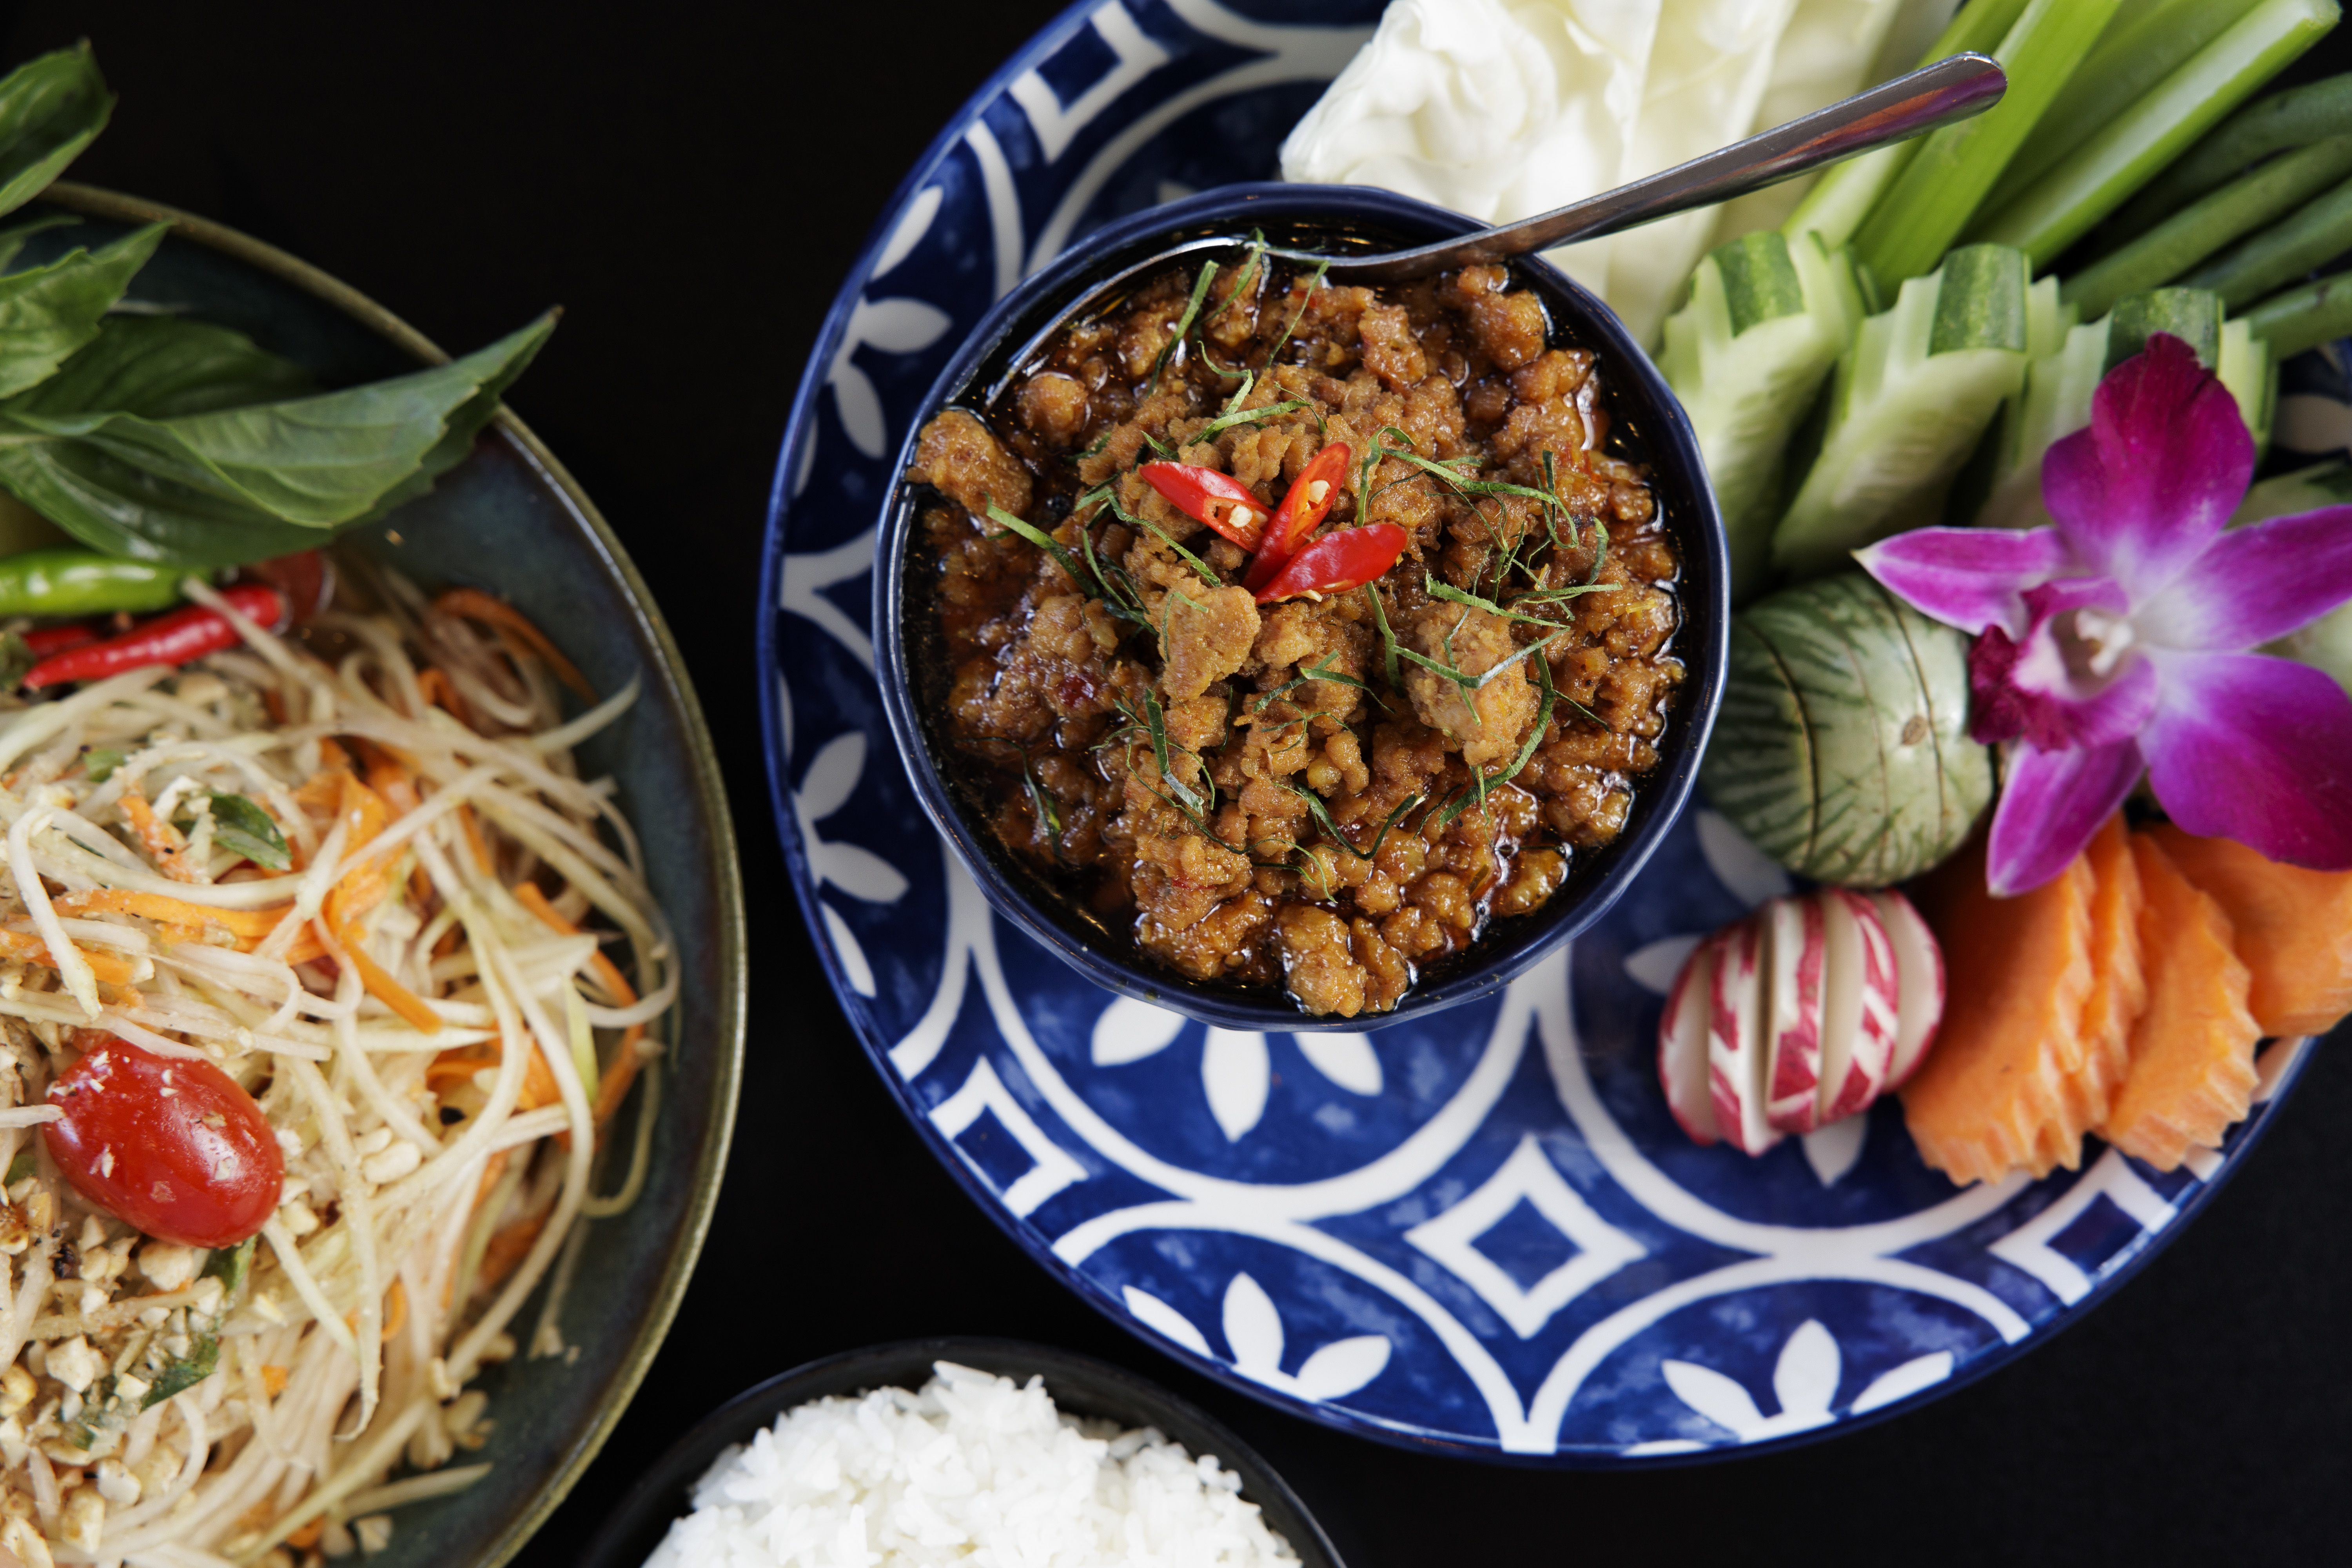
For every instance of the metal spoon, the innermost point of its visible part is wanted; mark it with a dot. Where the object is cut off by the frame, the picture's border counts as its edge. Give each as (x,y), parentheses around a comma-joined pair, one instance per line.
(1950,89)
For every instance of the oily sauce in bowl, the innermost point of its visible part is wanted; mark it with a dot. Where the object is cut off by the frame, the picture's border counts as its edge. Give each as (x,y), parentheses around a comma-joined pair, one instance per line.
(1314,785)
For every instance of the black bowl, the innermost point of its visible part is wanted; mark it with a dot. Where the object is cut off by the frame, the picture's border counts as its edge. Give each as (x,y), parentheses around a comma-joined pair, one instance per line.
(1647,425)
(1079,1385)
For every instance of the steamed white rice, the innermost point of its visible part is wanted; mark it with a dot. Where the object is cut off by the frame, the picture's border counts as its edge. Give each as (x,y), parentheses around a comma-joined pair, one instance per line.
(974,1470)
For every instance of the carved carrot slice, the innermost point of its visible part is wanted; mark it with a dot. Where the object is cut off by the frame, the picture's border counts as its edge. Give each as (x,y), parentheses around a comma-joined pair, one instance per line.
(2192,1068)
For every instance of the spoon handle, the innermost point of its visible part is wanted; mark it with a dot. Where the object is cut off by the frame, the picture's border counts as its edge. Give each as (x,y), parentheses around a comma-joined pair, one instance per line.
(1947,91)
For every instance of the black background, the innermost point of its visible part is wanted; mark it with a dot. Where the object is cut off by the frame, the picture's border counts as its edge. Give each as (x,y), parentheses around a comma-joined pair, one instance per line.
(690,182)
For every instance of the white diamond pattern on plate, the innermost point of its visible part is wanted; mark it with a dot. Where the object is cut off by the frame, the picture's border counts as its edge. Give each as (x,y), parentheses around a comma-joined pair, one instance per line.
(1452,1239)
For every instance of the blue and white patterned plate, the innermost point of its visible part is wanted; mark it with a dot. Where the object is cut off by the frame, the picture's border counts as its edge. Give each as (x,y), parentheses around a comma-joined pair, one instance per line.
(1481,1231)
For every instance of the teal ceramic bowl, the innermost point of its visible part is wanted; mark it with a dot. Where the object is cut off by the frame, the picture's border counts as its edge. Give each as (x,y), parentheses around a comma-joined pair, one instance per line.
(510,520)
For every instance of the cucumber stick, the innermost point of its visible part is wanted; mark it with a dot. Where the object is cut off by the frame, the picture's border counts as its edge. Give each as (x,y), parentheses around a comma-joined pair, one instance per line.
(2142,45)
(1766,321)
(1843,196)
(2125,153)
(1928,206)
(1911,398)
(2056,401)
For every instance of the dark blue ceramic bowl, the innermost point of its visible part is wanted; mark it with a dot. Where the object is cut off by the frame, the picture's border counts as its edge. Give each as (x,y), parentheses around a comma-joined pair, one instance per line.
(1080,1386)
(1647,427)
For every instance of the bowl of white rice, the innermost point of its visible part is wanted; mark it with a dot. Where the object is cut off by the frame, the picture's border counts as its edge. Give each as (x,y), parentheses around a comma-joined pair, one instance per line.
(961,1451)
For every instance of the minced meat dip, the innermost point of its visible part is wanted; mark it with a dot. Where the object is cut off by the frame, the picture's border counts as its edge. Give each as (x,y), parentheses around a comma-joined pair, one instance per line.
(1193,717)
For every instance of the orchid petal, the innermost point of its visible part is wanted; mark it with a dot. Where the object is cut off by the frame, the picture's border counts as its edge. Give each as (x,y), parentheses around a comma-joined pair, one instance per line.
(2051,803)
(1968,577)
(2255,583)
(2255,749)
(2142,492)
(2058,688)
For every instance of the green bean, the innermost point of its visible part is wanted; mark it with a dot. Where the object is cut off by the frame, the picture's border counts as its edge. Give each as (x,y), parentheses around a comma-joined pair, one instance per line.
(2295,118)
(2281,252)
(2196,231)
(2304,318)
(65,582)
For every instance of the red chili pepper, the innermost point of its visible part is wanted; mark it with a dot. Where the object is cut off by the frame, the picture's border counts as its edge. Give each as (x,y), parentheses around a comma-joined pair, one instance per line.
(173,638)
(1302,510)
(1221,501)
(43,641)
(1337,562)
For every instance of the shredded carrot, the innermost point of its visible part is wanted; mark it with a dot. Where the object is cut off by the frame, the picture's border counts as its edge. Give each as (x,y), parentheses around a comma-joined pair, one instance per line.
(442,692)
(508,1247)
(365,813)
(248,926)
(273,1379)
(474,838)
(24,947)
(475,606)
(385,989)
(162,841)
(396,1310)
(613,1086)
(305,1538)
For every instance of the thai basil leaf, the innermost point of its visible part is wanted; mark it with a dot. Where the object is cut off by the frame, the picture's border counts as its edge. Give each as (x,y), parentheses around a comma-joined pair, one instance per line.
(50,109)
(163,367)
(183,1373)
(230,1264)
(239,825)
(12,240)
(48,312)
(242,483)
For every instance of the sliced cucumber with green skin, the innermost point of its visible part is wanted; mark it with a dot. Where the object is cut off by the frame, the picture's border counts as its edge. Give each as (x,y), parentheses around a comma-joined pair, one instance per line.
(2247,368)
(2056,401)
(1842,748)
(1912,397)
(1746,355)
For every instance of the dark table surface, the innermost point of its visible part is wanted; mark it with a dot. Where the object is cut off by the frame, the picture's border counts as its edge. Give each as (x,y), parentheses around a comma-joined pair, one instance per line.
(690,184)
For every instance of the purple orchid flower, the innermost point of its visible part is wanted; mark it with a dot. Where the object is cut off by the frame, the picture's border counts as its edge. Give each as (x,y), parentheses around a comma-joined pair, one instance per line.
(2116,642)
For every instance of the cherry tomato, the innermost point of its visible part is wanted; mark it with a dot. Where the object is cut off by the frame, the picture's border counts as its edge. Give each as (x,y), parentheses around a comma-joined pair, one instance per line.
(1337,562)
(1221,501)
(1303,507)
(170,1145)
(304,577)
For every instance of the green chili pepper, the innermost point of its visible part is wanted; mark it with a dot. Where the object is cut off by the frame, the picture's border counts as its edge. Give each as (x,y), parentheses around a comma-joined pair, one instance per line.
(65,582)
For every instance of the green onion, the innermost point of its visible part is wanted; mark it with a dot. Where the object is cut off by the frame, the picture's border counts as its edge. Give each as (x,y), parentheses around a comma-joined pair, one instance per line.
(2279,123)
(1917,221)
(1184,322)
(2095,178)
(1247,416)
(1038,537)
(2196,232)
(1323,816)
(2282,252)
(2304,318)
(1314,281)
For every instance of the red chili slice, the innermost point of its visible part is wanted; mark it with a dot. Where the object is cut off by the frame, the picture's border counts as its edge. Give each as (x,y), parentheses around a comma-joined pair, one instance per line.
(1303,509)
(1337,562)
(173,638)
(1221,501)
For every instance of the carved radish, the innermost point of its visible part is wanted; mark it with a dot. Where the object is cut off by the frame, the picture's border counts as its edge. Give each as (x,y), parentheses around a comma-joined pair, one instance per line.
(1859,1031)
(1921,963)
(1794,960)
(1738,1050)
(1682,1043)
(1798,1015)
